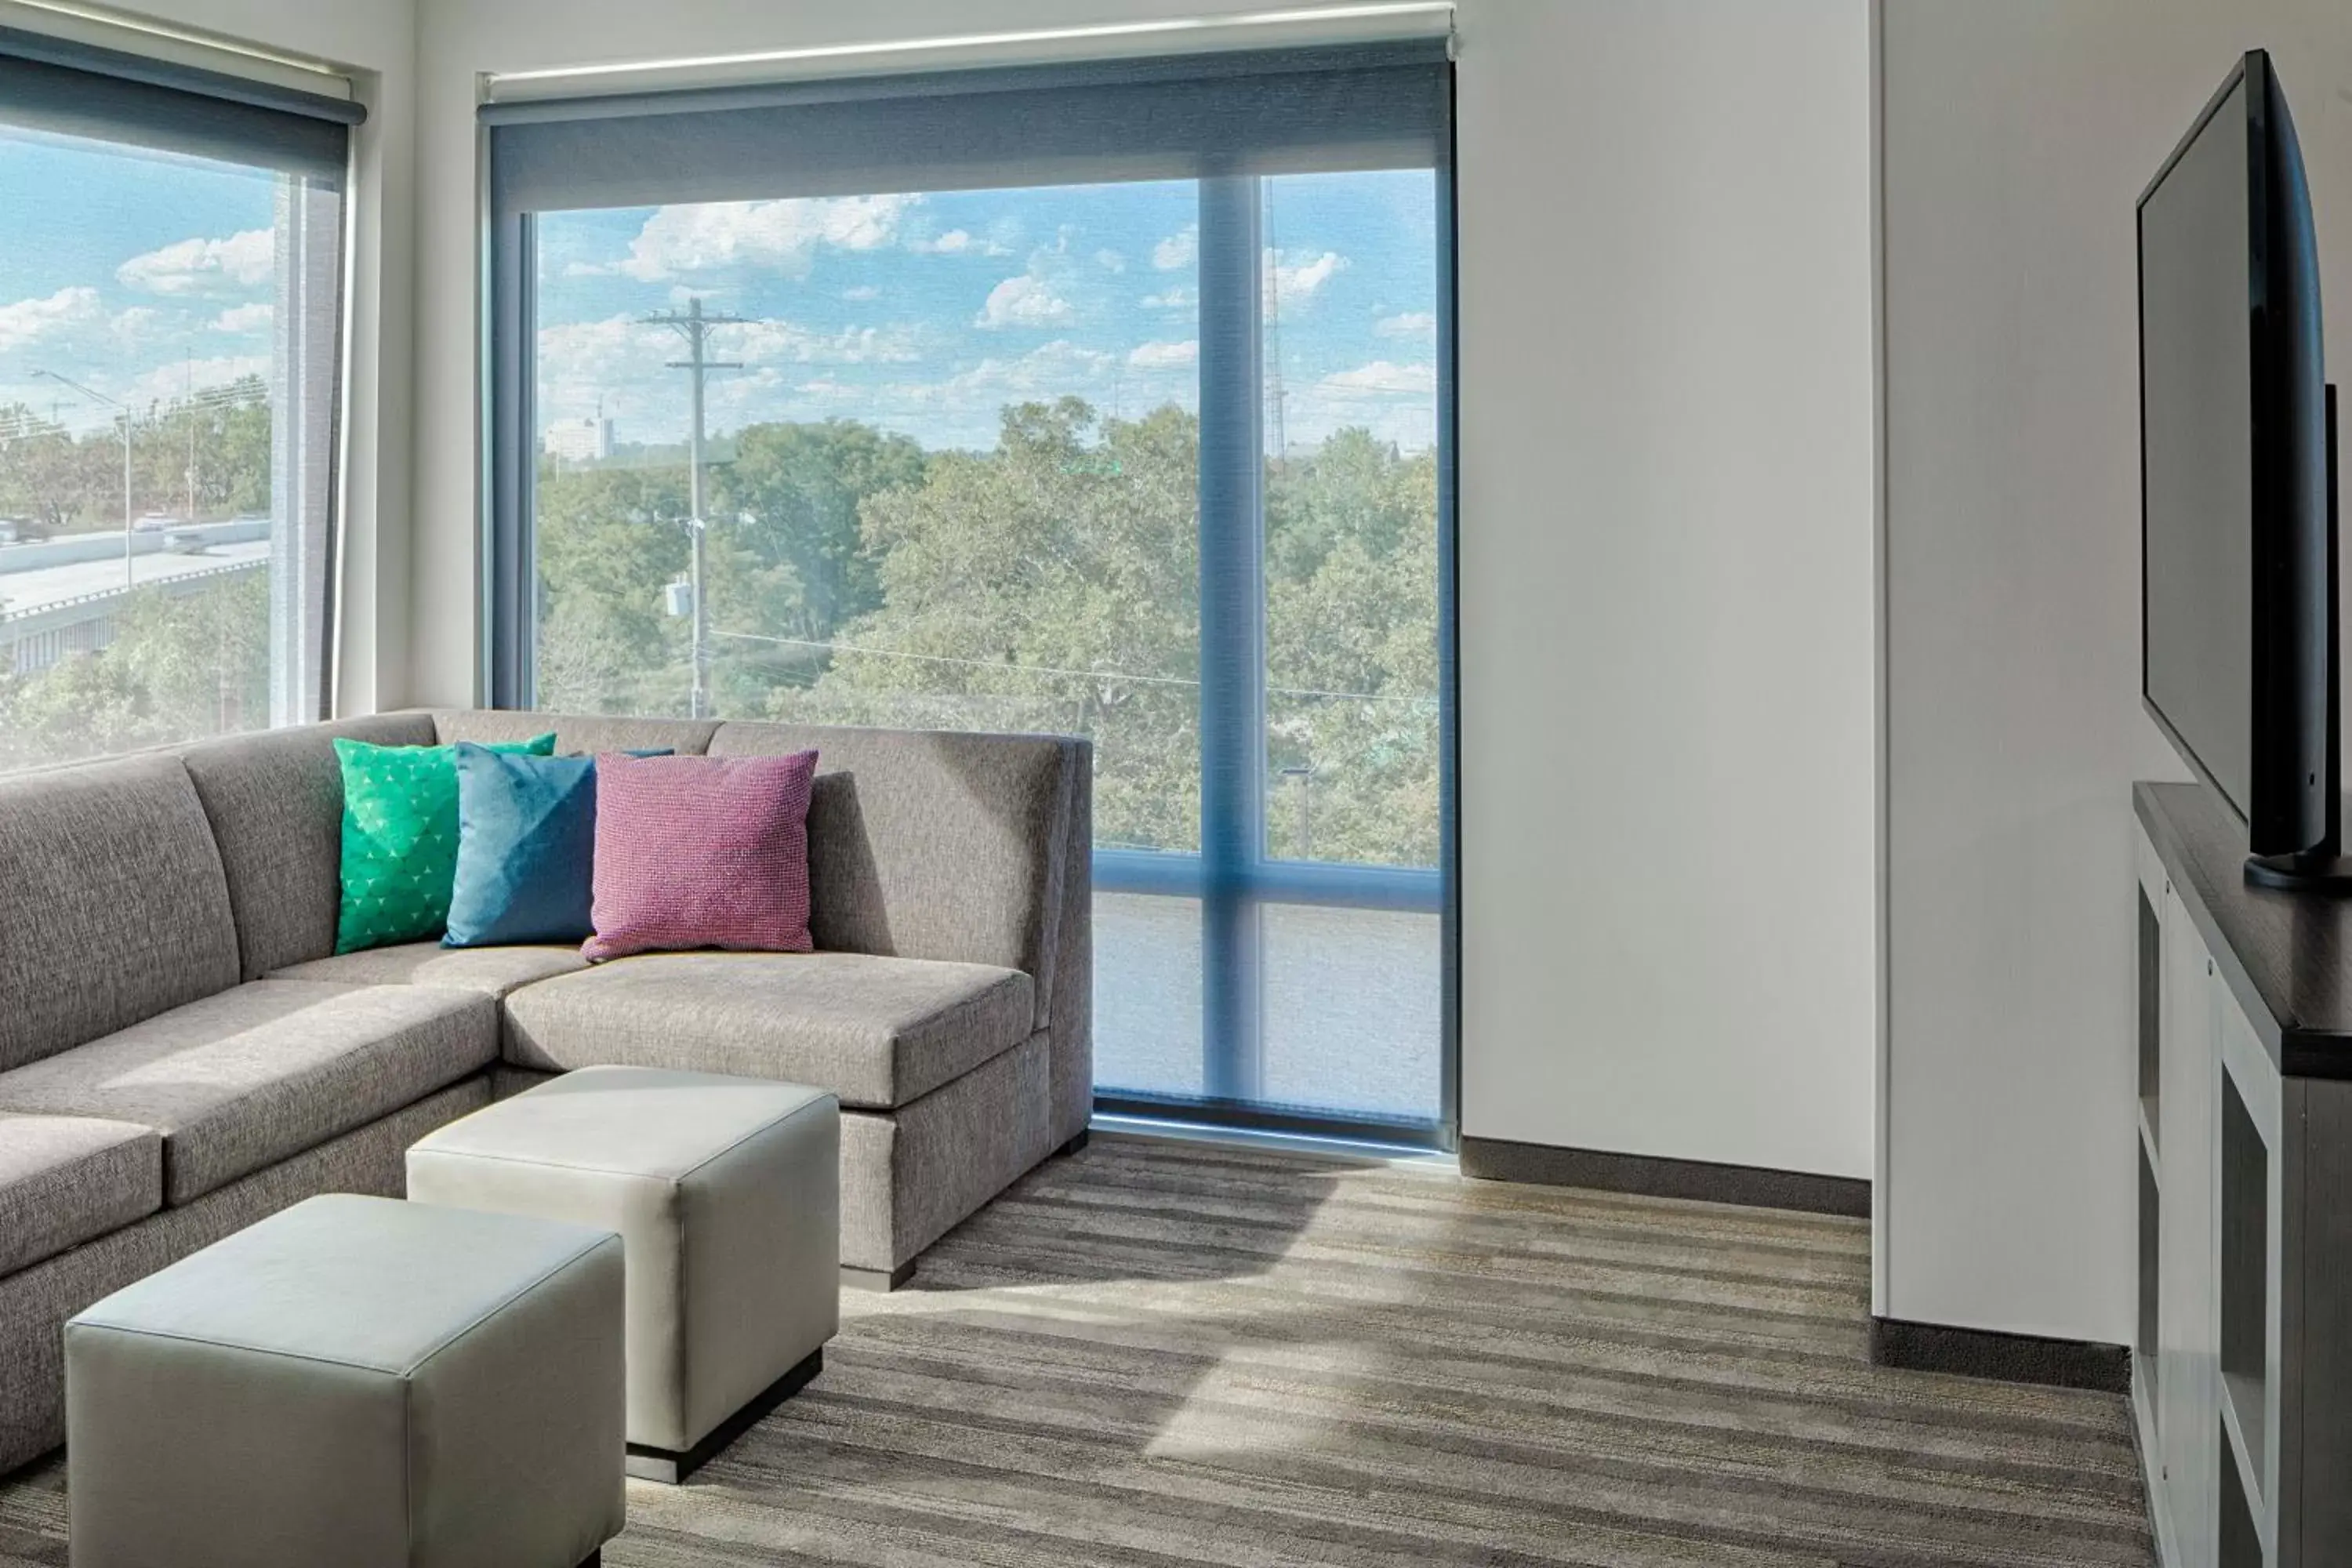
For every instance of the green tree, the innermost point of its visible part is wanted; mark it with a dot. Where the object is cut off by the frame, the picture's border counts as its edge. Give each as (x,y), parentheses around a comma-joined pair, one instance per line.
(1351,653)
(41,474)
(793,493)
(1049,584)
(181,664)
(607,542)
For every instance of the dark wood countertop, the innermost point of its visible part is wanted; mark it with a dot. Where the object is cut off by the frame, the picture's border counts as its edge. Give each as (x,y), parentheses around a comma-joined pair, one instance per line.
(2288,956)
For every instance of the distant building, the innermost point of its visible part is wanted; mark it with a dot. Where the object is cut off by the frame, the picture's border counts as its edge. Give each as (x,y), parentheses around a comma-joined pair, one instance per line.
(581,440)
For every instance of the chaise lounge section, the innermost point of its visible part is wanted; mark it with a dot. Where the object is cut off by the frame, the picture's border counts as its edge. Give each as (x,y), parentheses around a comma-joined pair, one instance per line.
(183,1053)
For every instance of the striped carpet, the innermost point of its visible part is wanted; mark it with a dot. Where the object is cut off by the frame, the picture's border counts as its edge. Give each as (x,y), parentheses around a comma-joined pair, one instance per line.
(1162,1352)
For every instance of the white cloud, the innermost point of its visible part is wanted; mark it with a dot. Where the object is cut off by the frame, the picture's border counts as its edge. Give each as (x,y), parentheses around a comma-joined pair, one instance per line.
(1165,356)
(1111,261)
(1027,300)
(29,321)
(1051,368)
(203,266)
(1407,324)
(958,242)
(862,291)
(1296,281)
(1382,378)
(1179,298)
(1178,249)
(135,326)
(773,340)
(254,317)
(785,236)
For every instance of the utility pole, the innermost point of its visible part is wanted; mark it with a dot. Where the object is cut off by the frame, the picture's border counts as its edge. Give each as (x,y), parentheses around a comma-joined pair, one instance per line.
(696,328)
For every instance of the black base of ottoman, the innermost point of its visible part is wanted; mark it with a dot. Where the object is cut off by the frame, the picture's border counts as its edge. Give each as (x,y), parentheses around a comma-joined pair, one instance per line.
(671,1468)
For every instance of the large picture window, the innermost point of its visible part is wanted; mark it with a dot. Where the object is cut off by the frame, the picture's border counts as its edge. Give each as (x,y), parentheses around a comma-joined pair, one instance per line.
(1105,401)
(169,308)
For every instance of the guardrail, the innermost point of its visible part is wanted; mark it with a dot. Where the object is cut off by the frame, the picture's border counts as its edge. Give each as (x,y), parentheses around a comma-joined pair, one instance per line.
(226,568)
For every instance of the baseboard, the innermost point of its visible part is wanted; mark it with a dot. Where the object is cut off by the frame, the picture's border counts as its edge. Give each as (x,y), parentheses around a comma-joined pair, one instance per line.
(2010,1358)
(1757,1186)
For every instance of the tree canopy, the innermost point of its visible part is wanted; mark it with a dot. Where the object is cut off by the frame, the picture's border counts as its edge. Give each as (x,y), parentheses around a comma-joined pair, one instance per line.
(1049,584)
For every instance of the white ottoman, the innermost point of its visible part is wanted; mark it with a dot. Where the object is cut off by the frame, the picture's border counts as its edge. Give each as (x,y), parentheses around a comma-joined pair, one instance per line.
(355,1380)
(727,1194)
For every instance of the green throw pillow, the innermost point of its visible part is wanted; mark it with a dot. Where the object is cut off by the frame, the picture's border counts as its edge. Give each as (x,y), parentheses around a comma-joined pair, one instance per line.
(400,839)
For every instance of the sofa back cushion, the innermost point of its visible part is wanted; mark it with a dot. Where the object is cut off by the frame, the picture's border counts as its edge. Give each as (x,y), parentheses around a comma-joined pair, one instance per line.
(114,905)
(275,804)
(576,736)
(933,844)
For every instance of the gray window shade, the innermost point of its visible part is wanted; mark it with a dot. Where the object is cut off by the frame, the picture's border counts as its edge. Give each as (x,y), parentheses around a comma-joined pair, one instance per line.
(1289,112)
(78,90)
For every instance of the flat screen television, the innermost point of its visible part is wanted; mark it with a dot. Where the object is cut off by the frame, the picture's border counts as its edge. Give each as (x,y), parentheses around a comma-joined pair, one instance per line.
(2238,650)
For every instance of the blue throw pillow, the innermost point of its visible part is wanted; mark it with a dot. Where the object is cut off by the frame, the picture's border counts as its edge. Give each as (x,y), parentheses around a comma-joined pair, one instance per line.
(526,849)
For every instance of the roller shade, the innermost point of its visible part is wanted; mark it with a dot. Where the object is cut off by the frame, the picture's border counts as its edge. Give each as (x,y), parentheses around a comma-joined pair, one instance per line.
(1294,110)
(67,87)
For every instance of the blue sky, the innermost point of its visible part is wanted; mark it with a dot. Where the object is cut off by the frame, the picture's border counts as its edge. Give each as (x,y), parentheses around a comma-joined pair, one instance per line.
(137,273)
(127,271)
(926,313)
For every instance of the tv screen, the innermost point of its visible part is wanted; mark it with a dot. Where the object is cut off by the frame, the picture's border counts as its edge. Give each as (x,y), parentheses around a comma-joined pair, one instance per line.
(2196,448)
(2238,545)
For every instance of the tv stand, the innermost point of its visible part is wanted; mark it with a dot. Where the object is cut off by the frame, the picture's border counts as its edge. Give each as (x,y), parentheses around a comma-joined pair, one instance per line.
(2242,1363)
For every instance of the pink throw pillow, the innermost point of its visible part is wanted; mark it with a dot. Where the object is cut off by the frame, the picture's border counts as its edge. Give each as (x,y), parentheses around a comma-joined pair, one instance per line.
(701,852)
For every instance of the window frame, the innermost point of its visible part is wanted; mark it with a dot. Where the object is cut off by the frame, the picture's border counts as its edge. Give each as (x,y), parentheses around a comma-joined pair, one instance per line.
(1231,877)
(128,102)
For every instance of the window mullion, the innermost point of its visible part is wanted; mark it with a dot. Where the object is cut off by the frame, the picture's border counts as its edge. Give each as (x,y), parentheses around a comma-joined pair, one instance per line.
(1233,635)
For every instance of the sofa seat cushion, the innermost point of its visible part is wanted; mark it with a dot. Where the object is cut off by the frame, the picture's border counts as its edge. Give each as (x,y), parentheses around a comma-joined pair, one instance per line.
(493,970)
(254,1075)
(878,1032)
(65,1179)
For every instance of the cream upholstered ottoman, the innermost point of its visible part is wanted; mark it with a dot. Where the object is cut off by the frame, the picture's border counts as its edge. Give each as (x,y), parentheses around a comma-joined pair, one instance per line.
(727,1194)
(355,1380)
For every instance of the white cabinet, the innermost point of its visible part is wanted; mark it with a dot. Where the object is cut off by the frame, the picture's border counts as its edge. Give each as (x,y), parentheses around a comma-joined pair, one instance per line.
(2174,1390)
(2206,1369)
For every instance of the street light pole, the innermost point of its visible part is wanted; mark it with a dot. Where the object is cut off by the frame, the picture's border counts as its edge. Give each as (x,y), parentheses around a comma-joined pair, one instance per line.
(127,581)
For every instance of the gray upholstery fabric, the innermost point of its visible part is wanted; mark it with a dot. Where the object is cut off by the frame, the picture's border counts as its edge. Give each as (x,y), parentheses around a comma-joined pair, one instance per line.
(1072,1009)
(575,733)
(493,970)
(726,1194)
(936,844)
(354,1380)
(909,1177)
(239,1080)
(875,1031)
(113,907)
(35,1301)
(275,804)
(65,1179)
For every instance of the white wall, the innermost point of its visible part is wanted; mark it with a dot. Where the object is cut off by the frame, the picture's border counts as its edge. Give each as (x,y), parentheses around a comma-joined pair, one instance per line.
(1667,534)
(2018,134)
(376,40)
(1667,489)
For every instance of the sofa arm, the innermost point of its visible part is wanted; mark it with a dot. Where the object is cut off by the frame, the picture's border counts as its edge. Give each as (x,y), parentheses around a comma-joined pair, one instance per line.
(941,845)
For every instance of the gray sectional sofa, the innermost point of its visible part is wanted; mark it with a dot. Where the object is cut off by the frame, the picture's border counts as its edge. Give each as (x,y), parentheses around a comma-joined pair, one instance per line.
(182,1053)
